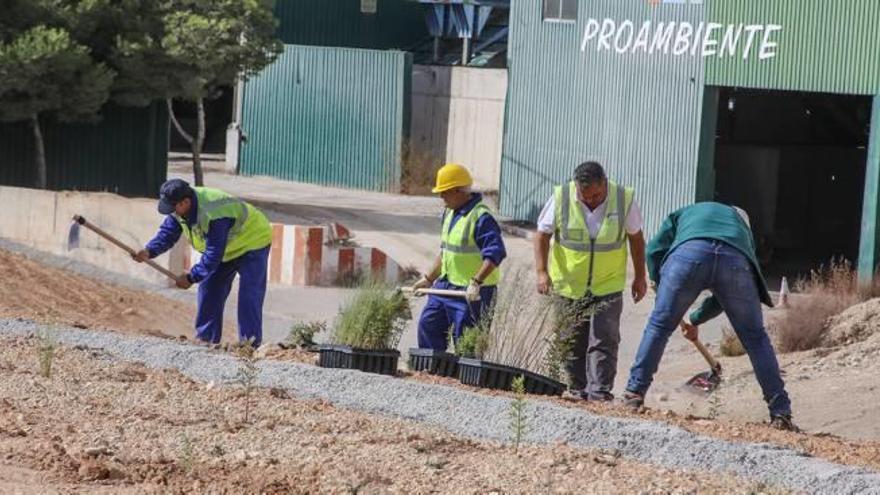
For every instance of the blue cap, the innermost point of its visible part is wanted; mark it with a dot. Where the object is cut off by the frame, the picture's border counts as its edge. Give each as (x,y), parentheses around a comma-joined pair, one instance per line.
(171,193)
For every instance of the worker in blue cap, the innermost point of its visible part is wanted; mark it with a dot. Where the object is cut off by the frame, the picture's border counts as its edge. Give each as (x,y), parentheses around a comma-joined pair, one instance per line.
(470,251)
(233,237)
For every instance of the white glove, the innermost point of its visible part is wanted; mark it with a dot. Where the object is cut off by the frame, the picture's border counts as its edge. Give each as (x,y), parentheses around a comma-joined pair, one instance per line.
(473,292)
(423,283)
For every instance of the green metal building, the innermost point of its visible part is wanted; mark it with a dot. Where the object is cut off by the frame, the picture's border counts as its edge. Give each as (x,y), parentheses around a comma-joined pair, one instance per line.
(334,116)
(369,24)
(126,152)
(764,104)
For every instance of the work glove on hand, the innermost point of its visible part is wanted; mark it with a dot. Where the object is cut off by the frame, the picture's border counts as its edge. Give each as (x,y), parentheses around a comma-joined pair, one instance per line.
(473,292)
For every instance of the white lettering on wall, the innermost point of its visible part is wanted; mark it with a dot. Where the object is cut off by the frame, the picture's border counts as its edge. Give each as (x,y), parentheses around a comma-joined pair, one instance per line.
(709,43)
(590,32)
(608,26)
(643,38)
(768,48)
(662,37)
(626,31)
(683,38)
(752,29)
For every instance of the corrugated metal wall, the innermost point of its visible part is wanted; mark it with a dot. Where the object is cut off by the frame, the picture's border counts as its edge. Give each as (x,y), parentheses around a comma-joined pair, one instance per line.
(637,114)
(332,116)
(126,153)
(397,24)
(824,46)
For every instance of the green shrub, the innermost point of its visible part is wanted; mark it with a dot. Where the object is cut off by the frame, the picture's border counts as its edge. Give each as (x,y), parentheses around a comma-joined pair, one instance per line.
(303,334)
(518,426)
(472,343)
(374,319)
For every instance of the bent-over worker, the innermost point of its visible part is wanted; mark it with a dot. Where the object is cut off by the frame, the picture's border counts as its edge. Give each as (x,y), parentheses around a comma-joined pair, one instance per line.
(709,246)
(233,237)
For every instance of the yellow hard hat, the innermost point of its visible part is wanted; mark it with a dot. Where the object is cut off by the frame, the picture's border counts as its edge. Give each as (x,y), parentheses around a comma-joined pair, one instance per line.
(450,176)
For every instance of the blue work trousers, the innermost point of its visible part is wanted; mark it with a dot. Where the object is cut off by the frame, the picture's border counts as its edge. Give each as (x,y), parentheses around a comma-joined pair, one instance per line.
(251,268)
(443,312)
(693,267)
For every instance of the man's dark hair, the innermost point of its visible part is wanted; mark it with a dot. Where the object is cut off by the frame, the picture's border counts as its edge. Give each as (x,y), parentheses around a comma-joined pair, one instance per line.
(589,173)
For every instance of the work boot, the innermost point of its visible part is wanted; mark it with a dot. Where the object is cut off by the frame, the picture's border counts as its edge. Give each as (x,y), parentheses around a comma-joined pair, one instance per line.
(633,400)
(599,396)
(574,395)
(783,422)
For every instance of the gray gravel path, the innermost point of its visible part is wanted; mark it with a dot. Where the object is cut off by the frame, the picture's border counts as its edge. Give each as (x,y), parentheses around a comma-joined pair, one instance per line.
(480,416)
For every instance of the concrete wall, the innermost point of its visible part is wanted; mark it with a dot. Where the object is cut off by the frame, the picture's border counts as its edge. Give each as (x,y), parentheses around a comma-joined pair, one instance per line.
(42,219)
(458,116)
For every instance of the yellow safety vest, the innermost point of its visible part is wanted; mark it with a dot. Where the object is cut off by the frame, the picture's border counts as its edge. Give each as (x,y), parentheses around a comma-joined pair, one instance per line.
(579,264)
(251,230)
(461,258)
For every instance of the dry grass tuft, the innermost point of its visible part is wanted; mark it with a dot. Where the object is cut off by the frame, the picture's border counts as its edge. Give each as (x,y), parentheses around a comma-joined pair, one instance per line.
(730,344)
(530,331)
(418,170)
(827,292)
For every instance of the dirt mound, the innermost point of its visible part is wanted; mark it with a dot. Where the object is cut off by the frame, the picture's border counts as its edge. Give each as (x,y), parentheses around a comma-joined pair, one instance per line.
(856,324)
(46,294)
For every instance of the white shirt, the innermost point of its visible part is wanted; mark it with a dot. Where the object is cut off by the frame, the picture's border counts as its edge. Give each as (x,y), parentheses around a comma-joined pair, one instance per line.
(594,218)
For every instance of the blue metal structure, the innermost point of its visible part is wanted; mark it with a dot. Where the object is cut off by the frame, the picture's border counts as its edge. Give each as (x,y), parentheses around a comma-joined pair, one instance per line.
(470,22)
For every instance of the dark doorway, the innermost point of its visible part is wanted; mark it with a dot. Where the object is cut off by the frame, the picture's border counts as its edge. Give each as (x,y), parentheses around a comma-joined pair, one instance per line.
(796,162)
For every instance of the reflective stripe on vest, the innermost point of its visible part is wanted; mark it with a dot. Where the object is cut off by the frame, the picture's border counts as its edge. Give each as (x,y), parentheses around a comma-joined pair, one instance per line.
(250,230)
(581,265)
(565,238)
(461,257)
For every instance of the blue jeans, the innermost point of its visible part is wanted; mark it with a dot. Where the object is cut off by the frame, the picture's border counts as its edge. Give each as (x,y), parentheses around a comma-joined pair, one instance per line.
(251,268)
(700,265)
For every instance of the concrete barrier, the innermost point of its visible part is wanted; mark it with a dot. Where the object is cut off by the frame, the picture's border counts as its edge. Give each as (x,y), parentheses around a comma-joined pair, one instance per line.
(41,220)
(300,255)
(310,255)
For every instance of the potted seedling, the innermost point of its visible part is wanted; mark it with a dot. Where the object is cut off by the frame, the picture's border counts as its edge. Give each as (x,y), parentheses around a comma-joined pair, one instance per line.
(367,331)
(518,334)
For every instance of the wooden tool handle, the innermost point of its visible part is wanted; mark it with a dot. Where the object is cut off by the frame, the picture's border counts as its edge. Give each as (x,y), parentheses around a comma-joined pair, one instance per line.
(85,223)
(436,292)
(707,355)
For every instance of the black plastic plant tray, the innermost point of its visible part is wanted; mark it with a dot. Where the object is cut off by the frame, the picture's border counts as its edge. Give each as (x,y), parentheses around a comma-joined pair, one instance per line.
(541,385)
(484,374)
(434,362)
(383,362)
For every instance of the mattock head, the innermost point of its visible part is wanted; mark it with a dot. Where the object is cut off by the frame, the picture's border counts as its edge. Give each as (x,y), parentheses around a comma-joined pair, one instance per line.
(73,234)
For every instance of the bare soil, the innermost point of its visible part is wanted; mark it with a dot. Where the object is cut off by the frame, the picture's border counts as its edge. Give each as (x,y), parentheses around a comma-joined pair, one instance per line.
(54,296)
(825,446)
(99,426)
(836,385)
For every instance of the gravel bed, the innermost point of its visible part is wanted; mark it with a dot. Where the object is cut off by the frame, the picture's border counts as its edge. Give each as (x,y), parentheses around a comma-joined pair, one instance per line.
(481,416)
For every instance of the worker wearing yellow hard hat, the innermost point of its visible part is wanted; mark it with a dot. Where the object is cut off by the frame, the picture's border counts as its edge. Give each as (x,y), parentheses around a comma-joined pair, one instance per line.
(471,250)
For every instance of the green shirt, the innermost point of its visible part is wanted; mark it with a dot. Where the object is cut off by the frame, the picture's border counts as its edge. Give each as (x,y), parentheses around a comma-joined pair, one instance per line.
(713,221)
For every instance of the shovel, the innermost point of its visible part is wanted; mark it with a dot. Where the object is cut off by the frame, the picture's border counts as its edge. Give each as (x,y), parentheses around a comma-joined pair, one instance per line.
(707,381)
(436,292)
(73,243)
